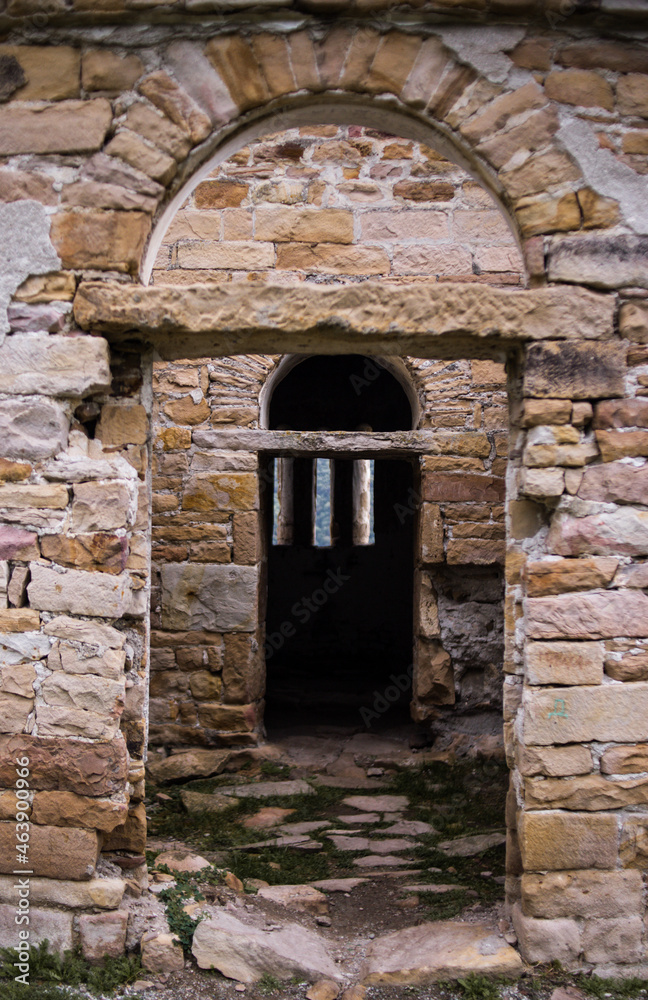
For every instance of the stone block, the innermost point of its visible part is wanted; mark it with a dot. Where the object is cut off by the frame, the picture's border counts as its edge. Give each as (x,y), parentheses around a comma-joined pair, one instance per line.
(431,528)
(52,925)
(332,258)
(536,412)
(176,104)
(159,130)
(475,551)
(82,593)
(612,413)
(32,429)
(103,935)
(247,538)
(227,718)
(589,792)
(601,261)
(581,87)
(151,161)
(564,662)
(100,893)
(90,693)
(498,113)
(614,482)
(162,953)
(625,759)
(102,240)
(68,127)
(243,669)
(121,425)
(575,370)
(622,444)
(99,551)
(581,894)
(239,255)
(614,940)
(554,761)
(131,835)
(596,614)
(54,852)
(581,714)
(226,491)
(234,60)
(542,484)
(217,598)
(68,809)
(100,506)
(304,225)
(102,69)
(632,94)
(53,365)
(433,681)
(560,576)
(69,721)
(98,769)
(51,71)
(539,214)
(13,472)
(48,496)
(14,712)
(446,487)
(551,841)
(547,940)
(18,620)
(633,322)
(185,411)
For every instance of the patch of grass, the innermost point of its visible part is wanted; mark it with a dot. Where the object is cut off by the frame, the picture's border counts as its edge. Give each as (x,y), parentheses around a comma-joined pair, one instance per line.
(268,983)
(272,770)
(444,906)
(618,989)
(71,969)
(479,987)
(295,867)
(39,991)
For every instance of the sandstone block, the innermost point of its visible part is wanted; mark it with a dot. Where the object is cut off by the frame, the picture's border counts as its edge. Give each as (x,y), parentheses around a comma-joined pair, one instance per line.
(433,681)
(542,484)
(538,214)
(50,496)
(120,425)
(613,940)
(239,255)
(581,87)
(595,615)
(51,72)
(74,659)
(227,718)
(625,760)
(442,487)
(554,761)
(431,527)
(103,935)
(32,429)
(103,240)
(13,472)
(131,835)
(69,765)
(68,127)
(497,114)
(53,365)
(551,841)
(622,444)
(54,852)
(564,662)
(68,809)
(332,258)
(234,60)
(564,575)
(81,593)
(102,69)
(91,693)
(226,491)
(247,533)
(297,225)
(158,130)
(545,412)
(547,940)
(581,714)
(152,161)
(52,925)
(614,482)
(476,551)
(106,553)
(57,720)
(162,953)
(600,261)
(581,894)
(632,94)
(185,411)
(18,620)
(574,370)
(633,322)
(103,893)
(589,792)
(90,633)
(14,712)
(621,413)
(100,506)
(534,133)
(218,597)
(16,543)
(176,104)
(623,532)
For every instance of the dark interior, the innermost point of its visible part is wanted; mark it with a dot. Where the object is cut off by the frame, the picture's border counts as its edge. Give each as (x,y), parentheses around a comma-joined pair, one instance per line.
(339,618)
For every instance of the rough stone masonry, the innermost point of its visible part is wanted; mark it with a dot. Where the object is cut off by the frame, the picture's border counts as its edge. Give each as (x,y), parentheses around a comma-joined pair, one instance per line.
(115,128)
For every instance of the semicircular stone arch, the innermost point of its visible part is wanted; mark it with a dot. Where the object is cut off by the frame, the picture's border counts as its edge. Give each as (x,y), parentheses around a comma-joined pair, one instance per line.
(238,87)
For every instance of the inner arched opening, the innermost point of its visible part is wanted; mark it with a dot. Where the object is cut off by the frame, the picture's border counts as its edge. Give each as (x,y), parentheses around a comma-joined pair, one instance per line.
(341,558)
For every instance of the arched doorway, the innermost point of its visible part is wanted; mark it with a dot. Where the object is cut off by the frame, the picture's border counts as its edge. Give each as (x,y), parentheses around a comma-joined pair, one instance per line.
(340,555)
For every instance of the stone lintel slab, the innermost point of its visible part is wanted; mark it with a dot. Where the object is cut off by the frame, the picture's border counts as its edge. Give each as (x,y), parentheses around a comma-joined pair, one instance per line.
(332,443)
(425,320)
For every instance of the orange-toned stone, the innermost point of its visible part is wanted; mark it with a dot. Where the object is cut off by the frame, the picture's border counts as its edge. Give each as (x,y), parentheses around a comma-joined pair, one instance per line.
(287,225)
(359,58)
(546,214)
(563,575)
(185,411)
(598,212)
(131,835)
(52,71)
(422,191)
(302,57)
(580,87)
(173,438)
(224,491)
(234,59)
(632,94)
(220,194)
(54,852)
(104,240)
(176,104)
(120,425)
(616,444)
(392,63)
(476,551)
(66,127)
(271,52)
(103,552)
(102,69)
(332,258)
(497,114)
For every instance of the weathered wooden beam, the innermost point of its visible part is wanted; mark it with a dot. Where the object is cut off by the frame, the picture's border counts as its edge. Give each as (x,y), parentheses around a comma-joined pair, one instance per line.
(427,319)
(346,443)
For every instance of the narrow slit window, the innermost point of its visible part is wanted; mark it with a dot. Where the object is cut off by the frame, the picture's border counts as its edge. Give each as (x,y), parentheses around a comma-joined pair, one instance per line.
(283,501)
(322,533)
(363,502)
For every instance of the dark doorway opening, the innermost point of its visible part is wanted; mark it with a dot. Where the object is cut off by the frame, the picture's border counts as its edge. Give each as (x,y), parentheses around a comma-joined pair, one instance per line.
(340,555)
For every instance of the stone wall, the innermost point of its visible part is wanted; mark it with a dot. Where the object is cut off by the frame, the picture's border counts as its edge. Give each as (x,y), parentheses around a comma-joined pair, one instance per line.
(98,134)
